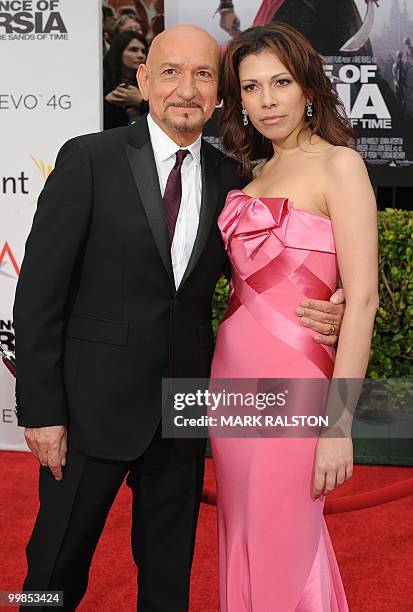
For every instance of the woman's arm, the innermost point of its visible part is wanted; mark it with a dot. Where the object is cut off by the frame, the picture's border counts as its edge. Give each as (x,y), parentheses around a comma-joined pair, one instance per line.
(352,208)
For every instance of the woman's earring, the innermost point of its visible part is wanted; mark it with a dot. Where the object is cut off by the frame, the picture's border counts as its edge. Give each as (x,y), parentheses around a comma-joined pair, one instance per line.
(309,106)
(244,117)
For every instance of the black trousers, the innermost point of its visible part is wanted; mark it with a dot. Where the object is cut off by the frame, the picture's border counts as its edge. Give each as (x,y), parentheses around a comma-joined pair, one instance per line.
(167,491)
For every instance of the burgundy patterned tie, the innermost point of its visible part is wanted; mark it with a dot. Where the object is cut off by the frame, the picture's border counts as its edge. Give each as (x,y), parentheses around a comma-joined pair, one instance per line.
(173,192)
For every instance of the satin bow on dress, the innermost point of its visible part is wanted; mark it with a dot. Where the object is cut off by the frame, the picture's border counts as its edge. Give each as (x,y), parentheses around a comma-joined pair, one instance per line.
(253,222)
(280,255)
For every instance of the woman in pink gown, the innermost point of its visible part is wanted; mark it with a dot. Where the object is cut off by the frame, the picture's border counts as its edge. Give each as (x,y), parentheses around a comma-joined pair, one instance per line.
(307,219)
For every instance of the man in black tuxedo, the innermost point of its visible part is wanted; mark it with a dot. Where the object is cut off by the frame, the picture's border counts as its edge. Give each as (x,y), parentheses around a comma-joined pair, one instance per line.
(115,294)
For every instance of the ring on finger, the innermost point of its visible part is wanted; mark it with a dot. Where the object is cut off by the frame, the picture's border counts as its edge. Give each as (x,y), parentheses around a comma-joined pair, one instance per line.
(332,330)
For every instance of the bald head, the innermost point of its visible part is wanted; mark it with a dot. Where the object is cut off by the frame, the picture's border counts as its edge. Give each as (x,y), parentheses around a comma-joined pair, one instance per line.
(187,36)
(180,80)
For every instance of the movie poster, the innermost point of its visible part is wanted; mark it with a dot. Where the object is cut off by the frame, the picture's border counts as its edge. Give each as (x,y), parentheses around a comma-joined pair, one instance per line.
(367,47)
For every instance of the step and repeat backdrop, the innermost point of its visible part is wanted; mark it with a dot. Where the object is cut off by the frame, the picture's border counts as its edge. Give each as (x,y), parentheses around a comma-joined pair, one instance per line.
(51,55)
(50,66)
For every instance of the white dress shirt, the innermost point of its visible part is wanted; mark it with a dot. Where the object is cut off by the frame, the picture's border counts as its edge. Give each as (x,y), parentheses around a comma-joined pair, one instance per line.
(186,228)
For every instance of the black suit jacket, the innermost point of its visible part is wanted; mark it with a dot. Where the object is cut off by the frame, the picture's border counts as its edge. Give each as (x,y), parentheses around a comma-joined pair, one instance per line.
(97,318)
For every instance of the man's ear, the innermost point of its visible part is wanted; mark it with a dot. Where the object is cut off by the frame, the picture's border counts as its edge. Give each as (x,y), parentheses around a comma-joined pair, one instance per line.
(142,78)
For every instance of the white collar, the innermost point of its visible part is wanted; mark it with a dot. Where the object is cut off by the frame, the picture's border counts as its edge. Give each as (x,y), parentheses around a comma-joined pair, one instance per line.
(164,147)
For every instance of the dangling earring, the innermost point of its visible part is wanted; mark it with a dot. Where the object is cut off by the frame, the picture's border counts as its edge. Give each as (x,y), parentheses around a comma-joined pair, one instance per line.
(244,117)
(309,106)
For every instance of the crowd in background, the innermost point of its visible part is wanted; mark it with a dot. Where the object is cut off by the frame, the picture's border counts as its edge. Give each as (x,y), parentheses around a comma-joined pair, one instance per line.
(128,28)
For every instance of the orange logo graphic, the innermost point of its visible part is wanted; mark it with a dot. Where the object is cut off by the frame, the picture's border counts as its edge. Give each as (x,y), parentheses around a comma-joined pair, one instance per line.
(44,169)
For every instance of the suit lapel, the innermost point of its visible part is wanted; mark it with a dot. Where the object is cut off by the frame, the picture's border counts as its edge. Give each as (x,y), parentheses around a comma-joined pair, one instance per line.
(143,167)
(209,201)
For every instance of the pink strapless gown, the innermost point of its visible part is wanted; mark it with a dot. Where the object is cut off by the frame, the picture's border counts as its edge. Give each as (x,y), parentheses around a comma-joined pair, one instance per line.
(275,553)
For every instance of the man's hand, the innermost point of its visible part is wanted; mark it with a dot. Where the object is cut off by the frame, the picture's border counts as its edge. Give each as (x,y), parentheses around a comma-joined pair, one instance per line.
(321,316)
(49,446)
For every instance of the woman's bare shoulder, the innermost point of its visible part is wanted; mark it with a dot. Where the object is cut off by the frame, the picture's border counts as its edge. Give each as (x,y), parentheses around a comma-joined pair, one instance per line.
(344,161)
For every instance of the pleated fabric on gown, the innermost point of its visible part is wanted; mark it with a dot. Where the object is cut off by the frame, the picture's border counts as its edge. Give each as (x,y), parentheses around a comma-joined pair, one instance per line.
(275,553)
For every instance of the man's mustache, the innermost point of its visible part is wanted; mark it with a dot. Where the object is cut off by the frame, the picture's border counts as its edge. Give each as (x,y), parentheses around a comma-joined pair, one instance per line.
(184,104)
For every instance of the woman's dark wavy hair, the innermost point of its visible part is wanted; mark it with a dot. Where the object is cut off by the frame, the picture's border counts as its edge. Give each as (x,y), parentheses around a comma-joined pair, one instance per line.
(112,62)
(304,63)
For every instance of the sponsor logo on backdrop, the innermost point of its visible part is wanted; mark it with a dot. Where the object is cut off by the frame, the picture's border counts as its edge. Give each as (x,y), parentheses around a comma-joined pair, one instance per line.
(7,340)
(32,20)
(7,416)
(44,168)
(7,334)
(18,101)
(19,184)
(12,185)
(8,263)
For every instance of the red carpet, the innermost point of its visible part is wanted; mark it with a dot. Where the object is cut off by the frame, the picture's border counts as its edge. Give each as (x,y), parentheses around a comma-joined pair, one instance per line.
(373,546)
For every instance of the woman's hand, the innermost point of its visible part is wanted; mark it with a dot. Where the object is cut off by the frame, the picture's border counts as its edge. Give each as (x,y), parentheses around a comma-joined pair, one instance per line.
(132,96)
(125,96)
(333,464)
(116,96)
